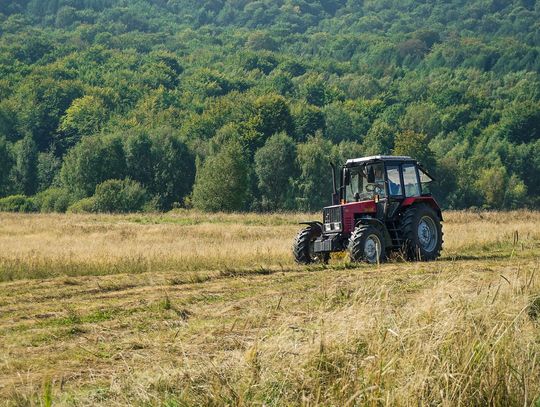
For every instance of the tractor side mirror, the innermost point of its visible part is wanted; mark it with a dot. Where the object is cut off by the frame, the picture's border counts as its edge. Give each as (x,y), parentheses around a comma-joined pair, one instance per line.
(371,175)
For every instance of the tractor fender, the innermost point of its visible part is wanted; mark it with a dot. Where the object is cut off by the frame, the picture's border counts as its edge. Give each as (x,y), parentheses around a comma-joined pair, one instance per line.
(428,200)
(314,224)
(380,226)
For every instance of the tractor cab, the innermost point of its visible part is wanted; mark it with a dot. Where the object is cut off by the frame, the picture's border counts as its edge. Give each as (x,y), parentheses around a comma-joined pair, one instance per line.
(385,181)
(377,193)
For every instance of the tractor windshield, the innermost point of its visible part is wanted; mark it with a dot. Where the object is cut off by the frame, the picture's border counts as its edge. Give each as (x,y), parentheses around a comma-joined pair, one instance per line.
(359,189)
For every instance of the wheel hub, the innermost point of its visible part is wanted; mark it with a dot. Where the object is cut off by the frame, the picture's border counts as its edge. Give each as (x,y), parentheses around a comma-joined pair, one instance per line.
(372,248)
(427,233)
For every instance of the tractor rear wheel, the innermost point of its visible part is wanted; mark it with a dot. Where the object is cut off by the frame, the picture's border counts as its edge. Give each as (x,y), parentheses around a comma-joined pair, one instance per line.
(303,247)
(367,244)
(422,233)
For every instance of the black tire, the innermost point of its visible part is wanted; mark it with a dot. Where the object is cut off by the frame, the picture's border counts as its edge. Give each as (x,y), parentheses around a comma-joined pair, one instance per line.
(367,244)
(422,233)
(303,247)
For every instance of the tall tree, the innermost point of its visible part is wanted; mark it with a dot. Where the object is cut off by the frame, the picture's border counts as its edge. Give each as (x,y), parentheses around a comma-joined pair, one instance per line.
(222,182)
(416,146)
(174,169)
(84,117)
(315,182)
(92,161)
(6,162)
(275,166)
(26,162)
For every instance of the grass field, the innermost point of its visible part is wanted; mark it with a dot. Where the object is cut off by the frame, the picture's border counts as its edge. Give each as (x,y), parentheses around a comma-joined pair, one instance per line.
(197,309)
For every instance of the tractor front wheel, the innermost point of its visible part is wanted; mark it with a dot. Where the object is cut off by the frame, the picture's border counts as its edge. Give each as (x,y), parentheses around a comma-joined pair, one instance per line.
(367,244)
(422,233)
(303,247)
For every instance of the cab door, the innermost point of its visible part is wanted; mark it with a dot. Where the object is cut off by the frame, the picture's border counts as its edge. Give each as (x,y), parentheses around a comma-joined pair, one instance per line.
(394,185)
(411,183)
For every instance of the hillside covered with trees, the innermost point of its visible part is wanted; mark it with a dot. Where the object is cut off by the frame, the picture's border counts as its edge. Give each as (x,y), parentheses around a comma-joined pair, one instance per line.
(117,105)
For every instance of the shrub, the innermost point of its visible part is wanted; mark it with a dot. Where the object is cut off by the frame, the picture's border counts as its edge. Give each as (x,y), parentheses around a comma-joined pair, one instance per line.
(53,200)
(119,196)
(17,203)
(85,205)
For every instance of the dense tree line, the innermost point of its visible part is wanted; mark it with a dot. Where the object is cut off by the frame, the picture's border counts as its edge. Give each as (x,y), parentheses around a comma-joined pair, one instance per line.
(110,105)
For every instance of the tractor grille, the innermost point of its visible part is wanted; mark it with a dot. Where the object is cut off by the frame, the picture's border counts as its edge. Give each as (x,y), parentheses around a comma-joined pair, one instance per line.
(332,219)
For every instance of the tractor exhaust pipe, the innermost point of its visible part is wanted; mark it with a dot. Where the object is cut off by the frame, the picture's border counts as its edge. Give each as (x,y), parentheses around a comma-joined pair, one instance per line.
(335,196)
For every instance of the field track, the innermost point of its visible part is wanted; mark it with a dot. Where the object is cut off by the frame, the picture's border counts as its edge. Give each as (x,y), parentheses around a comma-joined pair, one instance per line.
(193,309)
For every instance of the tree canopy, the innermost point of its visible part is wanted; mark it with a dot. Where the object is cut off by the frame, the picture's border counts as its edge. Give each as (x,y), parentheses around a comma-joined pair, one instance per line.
(158,94)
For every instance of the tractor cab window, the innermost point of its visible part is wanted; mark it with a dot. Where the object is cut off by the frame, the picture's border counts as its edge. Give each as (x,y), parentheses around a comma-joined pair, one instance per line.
(394,182)
(359,189)
(425,180)
(410,179)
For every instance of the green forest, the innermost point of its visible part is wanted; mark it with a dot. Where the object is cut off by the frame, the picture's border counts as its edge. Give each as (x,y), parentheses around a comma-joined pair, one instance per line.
(240,105)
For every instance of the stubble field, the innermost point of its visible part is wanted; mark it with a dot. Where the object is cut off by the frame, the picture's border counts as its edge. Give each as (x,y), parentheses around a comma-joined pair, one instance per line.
(187,308)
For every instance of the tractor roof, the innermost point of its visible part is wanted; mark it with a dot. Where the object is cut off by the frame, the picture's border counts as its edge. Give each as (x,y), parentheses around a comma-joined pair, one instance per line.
(364,160)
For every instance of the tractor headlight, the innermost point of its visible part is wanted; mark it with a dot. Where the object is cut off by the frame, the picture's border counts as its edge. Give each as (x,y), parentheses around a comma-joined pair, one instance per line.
(332,227)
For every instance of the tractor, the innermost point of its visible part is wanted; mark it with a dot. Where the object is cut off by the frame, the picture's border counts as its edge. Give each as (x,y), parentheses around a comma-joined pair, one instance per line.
(383,205)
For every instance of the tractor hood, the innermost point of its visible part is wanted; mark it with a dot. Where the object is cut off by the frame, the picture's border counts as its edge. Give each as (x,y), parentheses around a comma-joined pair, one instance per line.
(345,215)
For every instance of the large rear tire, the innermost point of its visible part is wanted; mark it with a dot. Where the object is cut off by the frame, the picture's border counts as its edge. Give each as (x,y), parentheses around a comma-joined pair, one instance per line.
(367,244)
(422,233)
(303,247)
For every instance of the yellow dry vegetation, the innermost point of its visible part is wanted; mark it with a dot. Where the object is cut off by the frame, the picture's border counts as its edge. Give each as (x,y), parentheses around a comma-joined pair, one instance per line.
(187,308)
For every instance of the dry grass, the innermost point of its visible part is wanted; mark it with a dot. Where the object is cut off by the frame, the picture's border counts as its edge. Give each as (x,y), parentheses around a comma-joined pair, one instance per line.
(195,309)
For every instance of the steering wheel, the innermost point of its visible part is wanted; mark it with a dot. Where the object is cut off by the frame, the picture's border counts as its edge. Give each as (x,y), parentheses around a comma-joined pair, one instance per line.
(374,187)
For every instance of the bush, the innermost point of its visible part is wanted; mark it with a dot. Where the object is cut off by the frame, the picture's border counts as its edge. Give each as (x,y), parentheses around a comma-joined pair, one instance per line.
(119,196)
(85,205)
(17,203)
(54,200)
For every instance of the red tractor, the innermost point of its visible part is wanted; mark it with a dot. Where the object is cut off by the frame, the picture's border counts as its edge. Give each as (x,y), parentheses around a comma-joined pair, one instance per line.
(383,205)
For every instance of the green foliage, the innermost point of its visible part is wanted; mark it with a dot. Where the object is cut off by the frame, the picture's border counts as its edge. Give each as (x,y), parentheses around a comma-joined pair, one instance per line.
(17,203)
(314,183)
(92,161)
(173,169)
(308,119)
(25,173)
(53,200)
(84,117)
(339,124)
(315,91)
(273,115)
(6,162)
(379,139)
(43,101)
(521,122)
(259,40)
(85,205)
(414,145)
(499,190)
(99,86)
(48,167)
(222,182)
(491,183)
(140,161)
(275,167)
(119,196)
